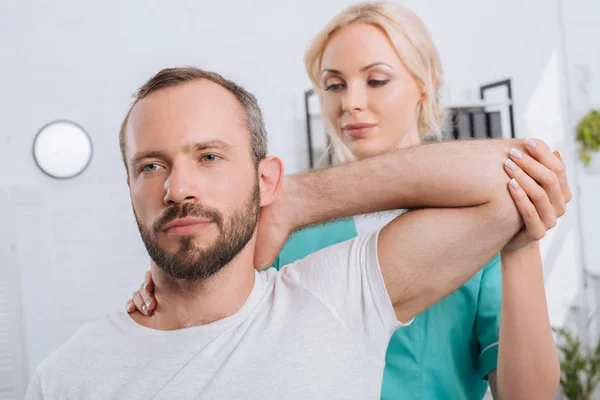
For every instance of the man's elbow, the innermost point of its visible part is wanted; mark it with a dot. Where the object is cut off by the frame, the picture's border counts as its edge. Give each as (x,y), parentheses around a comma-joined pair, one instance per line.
(504,213)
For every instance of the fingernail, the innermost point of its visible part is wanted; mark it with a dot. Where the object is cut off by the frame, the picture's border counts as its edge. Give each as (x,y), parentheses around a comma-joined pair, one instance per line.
(148,301)
(516,153)
(146,285)
(514,184)
(530,142)
(129,306)
(557,154)
(145,309)
(511,165)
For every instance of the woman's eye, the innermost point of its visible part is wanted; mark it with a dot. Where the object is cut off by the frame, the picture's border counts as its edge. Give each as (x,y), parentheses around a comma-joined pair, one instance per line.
(210,157)
(333,87)
(378,82)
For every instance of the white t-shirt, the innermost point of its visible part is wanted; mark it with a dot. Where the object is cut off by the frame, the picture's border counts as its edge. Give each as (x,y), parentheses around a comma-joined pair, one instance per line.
(373,222)
(317,329)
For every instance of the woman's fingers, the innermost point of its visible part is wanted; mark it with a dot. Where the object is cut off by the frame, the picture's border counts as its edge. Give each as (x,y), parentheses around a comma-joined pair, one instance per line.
(143,300)
(544,177)
(534,227)
(147,291)
(545,210)
(148,281)
(129,306)
(147,299)
(551,160)
(139,303)
(562,177)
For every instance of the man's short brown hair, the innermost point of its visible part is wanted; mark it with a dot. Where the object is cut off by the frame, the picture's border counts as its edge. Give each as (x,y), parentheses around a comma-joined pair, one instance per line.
(170,77)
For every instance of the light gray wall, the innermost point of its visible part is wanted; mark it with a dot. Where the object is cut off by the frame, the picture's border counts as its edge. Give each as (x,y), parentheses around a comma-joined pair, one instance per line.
(582,30)
(76,246)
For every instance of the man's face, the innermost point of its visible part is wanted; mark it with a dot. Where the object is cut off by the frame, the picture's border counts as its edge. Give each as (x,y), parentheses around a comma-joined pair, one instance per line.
(192,180)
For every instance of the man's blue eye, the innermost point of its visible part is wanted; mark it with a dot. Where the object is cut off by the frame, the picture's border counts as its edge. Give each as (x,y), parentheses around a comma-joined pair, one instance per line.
(210,157)
(149,167)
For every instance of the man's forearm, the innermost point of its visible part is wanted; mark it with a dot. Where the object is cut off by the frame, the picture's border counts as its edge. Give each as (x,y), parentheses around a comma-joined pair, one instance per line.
(450,174)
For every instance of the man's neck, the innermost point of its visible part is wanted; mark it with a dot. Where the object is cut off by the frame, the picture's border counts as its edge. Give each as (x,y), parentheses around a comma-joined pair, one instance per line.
(186,303)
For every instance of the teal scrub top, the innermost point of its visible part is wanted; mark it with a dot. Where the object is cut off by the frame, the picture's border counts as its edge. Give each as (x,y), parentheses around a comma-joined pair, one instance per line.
(449,349)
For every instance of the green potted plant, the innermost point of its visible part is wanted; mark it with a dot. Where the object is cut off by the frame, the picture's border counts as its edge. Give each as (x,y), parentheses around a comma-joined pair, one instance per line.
(579,366)
(588,135)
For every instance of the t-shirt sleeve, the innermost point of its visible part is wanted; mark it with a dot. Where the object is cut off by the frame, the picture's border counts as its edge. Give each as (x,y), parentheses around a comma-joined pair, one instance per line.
(34,391)
(314,238)
(346,278)
(487,322)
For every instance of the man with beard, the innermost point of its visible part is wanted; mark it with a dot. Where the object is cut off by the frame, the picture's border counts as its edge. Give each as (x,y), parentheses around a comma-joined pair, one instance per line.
(194,147)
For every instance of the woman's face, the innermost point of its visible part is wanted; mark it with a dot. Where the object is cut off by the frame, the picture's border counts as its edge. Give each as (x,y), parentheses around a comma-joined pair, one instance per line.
(368,97)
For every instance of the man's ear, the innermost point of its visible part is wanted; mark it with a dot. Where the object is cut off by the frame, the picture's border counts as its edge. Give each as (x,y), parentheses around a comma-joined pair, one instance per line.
(270,178)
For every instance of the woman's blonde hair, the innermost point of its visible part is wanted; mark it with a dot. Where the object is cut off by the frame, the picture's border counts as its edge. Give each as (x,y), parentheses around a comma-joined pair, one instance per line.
(415,48)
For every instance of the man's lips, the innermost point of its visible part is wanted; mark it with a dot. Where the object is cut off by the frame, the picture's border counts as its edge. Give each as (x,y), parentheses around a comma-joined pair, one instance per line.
(186,226)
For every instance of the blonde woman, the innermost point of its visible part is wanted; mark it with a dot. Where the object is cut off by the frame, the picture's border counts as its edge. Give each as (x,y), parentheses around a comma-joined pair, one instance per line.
(378,76)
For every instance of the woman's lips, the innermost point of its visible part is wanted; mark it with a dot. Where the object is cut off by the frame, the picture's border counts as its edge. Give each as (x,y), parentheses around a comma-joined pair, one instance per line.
(358,130)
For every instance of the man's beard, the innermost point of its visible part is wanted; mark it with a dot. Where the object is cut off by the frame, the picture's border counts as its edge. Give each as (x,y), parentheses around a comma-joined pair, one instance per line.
(190,262)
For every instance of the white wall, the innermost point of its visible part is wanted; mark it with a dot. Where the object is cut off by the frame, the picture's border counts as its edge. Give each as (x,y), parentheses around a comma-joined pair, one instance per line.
(582,30)
(77,248)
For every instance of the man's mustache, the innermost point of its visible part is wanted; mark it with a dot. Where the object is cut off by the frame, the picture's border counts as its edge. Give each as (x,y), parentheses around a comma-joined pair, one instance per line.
(187,210)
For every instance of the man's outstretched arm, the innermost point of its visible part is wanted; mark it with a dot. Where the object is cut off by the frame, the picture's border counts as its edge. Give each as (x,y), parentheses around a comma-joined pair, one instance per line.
(427,253)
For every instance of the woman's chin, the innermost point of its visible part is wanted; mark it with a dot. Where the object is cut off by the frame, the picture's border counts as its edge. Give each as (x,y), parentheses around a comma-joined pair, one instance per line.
(366,148)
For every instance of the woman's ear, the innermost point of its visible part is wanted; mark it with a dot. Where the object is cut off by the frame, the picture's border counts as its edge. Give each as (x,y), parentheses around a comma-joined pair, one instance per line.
(270,178)
(423,96)
(424,93)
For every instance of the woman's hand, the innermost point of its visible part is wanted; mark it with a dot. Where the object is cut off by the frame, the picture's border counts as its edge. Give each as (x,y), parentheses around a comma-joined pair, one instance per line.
(539,188)
(143,300)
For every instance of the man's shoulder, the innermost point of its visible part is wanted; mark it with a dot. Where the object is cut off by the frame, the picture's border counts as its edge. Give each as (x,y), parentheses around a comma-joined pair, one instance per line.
(87,341)
(98,359)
